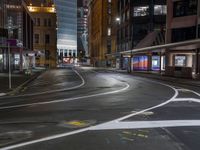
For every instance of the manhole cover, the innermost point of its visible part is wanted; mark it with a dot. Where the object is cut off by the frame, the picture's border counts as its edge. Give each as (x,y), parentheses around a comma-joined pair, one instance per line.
(77,123)
(13,137)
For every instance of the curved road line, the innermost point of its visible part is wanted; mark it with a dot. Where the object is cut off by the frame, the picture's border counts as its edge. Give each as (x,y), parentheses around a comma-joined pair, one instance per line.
(53,91)
(93,127)
(68,99)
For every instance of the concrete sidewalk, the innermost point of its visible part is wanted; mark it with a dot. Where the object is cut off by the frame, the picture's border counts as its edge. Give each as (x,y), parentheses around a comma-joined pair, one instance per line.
(17,79)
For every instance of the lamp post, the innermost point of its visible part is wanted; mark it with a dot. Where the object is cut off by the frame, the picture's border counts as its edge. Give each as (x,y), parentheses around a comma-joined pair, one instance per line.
(10,30)
(118,59)
(9,67)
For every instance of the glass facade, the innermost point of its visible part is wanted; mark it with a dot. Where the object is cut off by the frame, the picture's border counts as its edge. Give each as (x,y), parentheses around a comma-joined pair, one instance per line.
(67,28)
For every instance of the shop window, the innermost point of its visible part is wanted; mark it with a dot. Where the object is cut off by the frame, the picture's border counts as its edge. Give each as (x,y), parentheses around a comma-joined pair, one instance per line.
(180,61)
(140,63)
(141,11)
(156,63)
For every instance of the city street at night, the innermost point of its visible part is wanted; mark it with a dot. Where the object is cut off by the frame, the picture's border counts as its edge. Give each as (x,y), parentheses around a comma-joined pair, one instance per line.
(99,75)
(87,108)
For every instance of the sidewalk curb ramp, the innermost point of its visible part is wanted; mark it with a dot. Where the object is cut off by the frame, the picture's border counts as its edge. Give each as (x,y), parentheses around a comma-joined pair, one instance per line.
(17,89)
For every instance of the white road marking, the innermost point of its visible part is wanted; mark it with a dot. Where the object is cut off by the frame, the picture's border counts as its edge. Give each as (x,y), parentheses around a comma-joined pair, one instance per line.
(2,94)
(147,124)
(186,100)
(92,128)
(187,90)
(68,99)
(108,124)
(54,91)
(45,139)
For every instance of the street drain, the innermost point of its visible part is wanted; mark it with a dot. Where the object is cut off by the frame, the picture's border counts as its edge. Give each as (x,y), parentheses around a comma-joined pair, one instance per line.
(14,137)
(77,123)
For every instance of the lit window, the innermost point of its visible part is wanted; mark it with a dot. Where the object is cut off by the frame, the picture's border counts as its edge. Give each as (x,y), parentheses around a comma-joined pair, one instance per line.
(109,31)
(160,10)
(141,11)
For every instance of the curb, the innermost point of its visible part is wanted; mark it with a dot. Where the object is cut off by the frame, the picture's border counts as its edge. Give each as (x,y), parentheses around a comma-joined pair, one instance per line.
(17,89)
(162,78)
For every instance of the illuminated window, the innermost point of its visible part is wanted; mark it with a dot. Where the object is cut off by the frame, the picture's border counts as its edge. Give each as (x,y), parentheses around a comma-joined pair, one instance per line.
(180,61)
(160,9)
(141,11)
(109,31)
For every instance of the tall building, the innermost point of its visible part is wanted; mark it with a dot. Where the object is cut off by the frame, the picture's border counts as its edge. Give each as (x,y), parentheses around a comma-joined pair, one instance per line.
(67,30)
(45,33)
(141,24)
(19,25)
(82,28)
(183,23)
(100,20)
(3,33)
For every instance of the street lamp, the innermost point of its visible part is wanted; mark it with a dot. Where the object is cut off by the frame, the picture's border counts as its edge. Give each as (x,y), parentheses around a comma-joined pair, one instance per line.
(117,19)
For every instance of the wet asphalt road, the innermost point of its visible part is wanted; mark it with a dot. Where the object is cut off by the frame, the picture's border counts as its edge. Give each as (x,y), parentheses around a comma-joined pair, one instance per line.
(88,109)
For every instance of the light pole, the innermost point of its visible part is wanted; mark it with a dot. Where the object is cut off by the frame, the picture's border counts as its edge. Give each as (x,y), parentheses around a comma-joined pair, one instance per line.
(9,67)
(118,58)
(10,30)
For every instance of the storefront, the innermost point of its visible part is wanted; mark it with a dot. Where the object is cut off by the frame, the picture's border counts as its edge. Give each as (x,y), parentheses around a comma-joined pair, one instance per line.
(140,63)
(158,63)
(181,64)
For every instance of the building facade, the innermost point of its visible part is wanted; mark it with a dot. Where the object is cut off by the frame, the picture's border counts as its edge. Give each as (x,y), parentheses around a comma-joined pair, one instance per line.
(45,33)
(100,31)
(67,30)
(82,28)
(3,33)
(183,23)
(18,27)
(141,24)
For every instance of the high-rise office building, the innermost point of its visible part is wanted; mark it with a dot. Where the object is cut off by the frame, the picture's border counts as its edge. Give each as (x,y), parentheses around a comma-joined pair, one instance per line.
(82,28)
(67,29)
